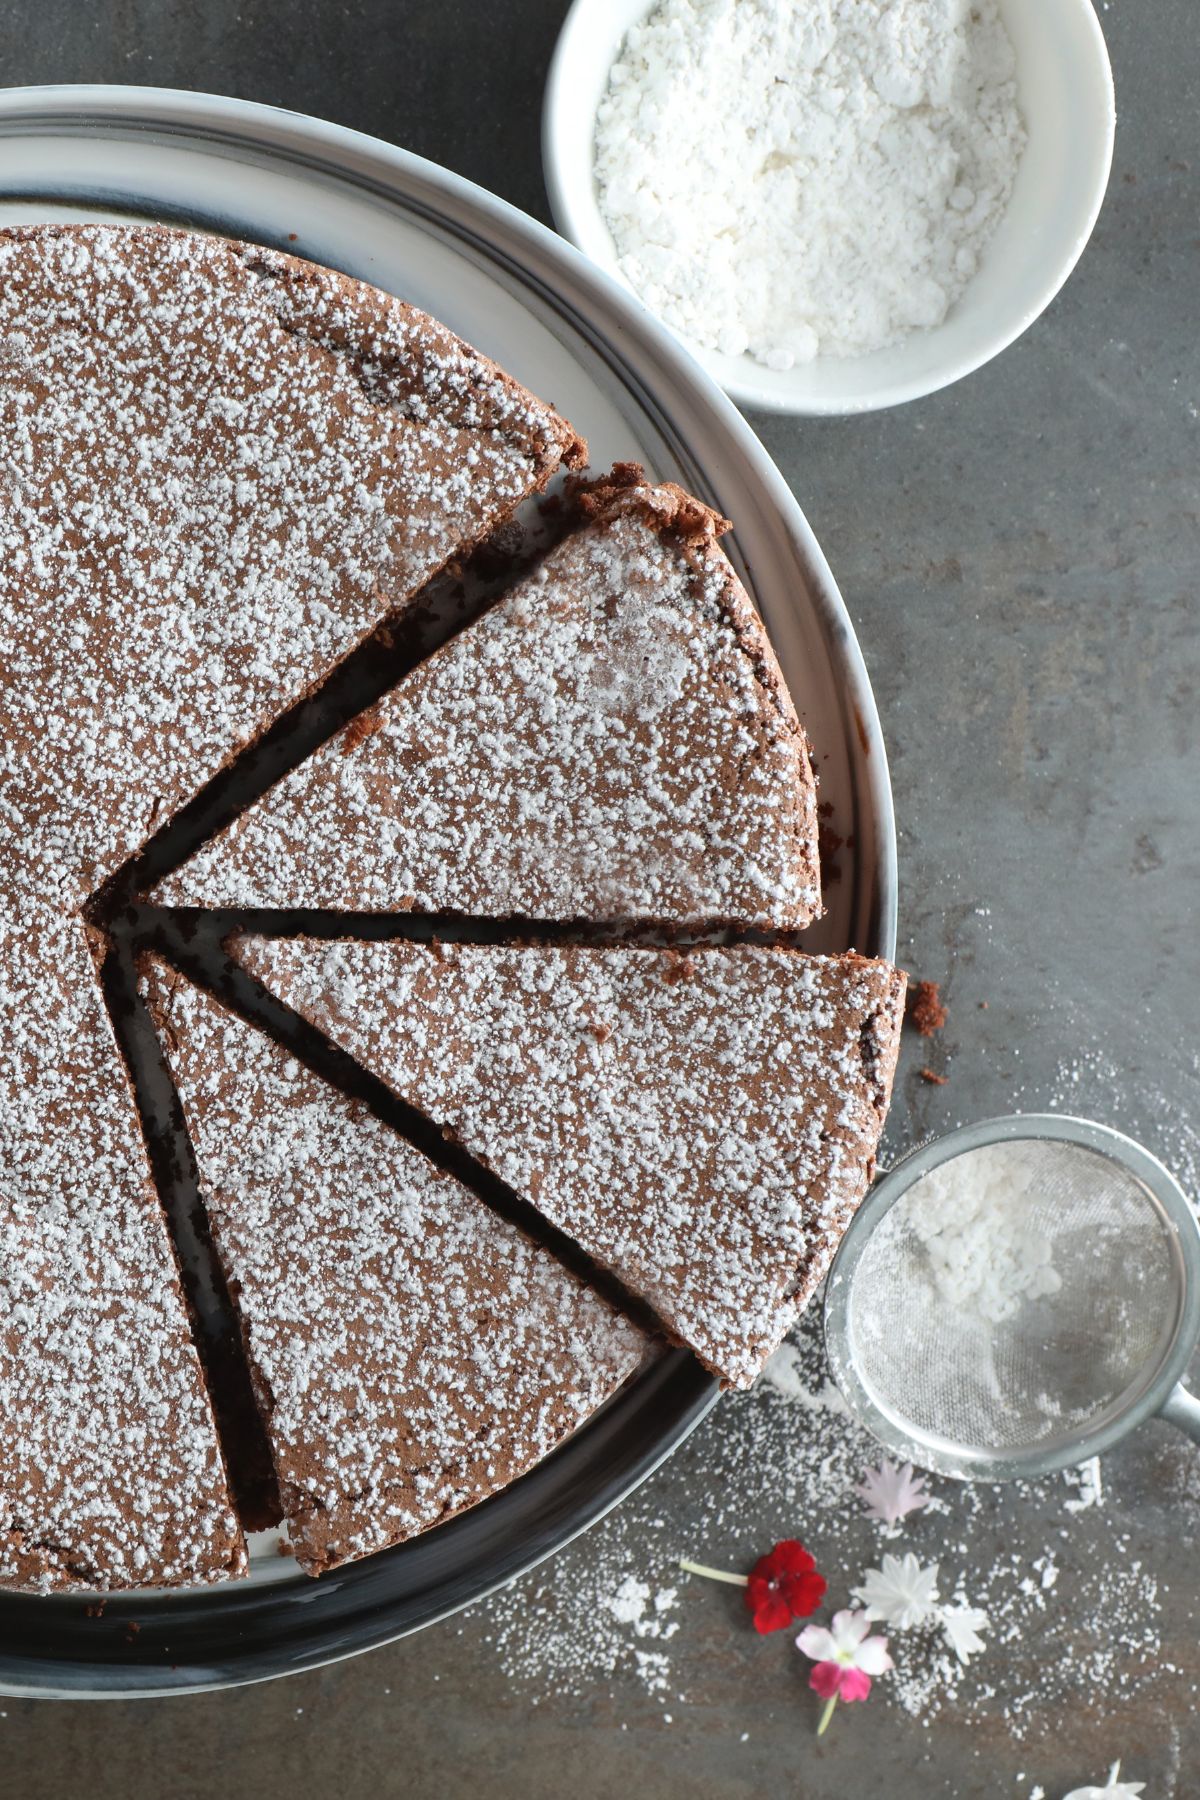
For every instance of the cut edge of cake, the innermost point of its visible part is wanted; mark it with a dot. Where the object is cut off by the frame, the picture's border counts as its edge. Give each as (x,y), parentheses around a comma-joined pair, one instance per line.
(380,1001)
(129,1488)
(281,457)
(599,833)
(519,1370)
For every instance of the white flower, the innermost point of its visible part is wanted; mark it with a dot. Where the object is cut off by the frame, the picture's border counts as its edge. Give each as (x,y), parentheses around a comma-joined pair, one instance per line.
(1113,1789)
(962,1625)
(902,1592)
(889,1493)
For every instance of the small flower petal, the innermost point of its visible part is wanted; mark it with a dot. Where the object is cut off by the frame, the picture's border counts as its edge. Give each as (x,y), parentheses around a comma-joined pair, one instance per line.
(849,1629)
(816,1641)
(961,1626)
(771,1611)
(890,1494)
(783,1585)
(803,1593)
(856,1685)
(826,1679)
(1114,1788)
(902,1592)
(873,1656)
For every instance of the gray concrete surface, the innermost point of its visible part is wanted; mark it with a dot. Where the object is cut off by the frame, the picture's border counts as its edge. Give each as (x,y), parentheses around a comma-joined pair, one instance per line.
(1020,556)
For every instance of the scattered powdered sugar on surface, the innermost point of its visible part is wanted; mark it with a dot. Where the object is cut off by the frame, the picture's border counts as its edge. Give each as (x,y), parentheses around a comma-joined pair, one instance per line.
(634,1604)
(1150,1112)
(627,1603)
(1089,1482)
(613,740)
(772,1464)
(803,177)
(417,1350)
(1076,1571)
(785,1372)
(703,1126)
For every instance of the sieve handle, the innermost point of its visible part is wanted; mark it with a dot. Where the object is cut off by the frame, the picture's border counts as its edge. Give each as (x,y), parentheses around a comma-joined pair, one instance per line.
(1182,1408)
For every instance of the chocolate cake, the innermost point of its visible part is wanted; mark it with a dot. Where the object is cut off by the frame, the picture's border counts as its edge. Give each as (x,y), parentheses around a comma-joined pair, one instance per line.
(110,1471)
(411,1351)
(702,1125)
(225,469)
(222,469)
(612,741)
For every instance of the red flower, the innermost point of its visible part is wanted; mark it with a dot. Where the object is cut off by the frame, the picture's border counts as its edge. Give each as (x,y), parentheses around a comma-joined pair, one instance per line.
(784,1585)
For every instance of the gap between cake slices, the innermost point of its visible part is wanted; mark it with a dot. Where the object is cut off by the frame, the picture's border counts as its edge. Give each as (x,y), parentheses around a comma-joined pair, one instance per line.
(411,1351)
(701,1125)
(611,740)
(148,689)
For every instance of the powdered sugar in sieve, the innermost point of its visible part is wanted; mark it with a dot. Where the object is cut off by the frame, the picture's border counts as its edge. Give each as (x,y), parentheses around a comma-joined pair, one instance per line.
(1013,1298)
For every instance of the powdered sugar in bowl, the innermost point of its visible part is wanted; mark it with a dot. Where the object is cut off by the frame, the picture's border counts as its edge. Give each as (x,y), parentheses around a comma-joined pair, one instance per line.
(748,223)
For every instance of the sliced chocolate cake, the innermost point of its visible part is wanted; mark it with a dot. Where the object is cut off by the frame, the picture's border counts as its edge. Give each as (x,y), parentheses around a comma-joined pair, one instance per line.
(411,1351)
(222,468)
(110,1471)
(702,1125)
(612,741)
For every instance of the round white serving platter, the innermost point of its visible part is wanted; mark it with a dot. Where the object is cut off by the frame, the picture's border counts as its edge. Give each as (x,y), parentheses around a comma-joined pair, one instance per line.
(572,335)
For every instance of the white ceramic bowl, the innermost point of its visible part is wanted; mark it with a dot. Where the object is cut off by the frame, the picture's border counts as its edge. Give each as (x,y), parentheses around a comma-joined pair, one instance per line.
(1066,95)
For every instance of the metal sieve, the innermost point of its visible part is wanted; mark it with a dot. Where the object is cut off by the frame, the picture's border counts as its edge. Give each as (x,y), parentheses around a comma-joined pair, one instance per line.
(1016,1296)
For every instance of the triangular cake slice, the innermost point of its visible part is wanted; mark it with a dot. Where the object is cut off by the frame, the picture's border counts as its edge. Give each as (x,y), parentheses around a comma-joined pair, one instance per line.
(701,1125)
(111,1475)
(613,740)
(223,468)
(412,1352)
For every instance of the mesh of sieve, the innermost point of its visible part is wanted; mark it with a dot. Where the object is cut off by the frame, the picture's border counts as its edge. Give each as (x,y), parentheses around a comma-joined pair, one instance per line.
(1009,1303)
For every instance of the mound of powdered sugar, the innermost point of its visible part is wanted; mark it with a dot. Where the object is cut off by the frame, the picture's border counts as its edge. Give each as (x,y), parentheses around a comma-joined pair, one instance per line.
(980,1220)
(794,177)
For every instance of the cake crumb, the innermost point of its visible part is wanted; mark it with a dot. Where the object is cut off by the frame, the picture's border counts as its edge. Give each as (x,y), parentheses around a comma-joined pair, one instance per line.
(927,1012)
(931,1076)
(360,729)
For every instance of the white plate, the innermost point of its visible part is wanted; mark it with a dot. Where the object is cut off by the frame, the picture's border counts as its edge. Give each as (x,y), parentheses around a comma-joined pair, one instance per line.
(533,303)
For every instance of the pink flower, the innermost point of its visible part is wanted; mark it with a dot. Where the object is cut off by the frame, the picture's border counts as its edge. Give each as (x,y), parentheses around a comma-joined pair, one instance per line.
(846,1659)
(890,1494)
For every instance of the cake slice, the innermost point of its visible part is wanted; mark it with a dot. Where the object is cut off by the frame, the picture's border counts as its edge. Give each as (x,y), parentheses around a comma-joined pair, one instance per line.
(110,1472)
(222,469)
(703,1126)
(411,1351)
(613,740)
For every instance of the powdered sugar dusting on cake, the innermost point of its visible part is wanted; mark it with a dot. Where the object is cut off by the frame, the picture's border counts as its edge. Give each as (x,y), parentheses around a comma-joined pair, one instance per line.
(222,468)
(412,1352)
(703,1126)
(613,740)
(110,1474)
